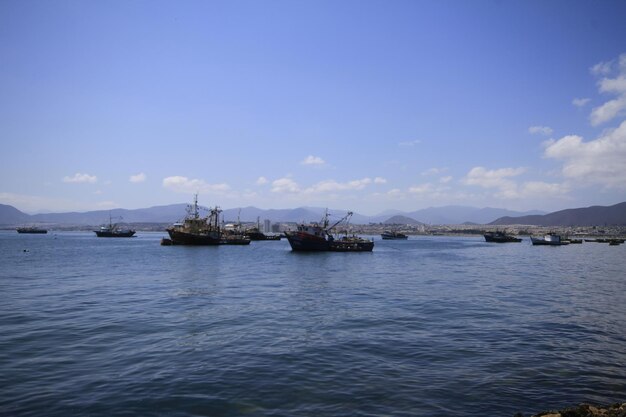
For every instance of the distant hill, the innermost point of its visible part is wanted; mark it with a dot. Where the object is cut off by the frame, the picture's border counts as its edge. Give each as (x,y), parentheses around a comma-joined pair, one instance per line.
(9,215)
(398,219)
(464,214)
(589,216)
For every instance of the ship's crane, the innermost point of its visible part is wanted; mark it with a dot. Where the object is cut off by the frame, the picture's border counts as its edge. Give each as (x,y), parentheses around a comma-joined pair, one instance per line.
(346,218)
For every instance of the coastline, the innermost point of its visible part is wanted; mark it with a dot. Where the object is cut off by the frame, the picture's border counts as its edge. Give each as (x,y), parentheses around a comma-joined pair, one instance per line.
(585,410)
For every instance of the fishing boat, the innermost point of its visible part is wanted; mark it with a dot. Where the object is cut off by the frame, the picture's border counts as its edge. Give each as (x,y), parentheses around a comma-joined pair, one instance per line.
(551,239)
(317,237)
(235,235)
(391,235)
(235,239)
(32,230)
(255,233)
(500,237)
(196,230)
(113,230)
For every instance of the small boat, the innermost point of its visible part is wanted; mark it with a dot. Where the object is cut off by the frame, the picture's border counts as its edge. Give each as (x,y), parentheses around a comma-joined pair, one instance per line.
(317,237)
(574,241)
(32,230)
(255,233)
(351,244)
(551,239)
(500,237)
(235,239)
(391,235)
(196,230)
(112,230)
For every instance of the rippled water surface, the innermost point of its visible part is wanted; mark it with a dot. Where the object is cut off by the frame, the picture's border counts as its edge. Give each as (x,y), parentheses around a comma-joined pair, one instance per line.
(431,326)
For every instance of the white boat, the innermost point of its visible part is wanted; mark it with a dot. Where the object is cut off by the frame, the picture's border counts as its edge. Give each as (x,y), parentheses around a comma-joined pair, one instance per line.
(551,239)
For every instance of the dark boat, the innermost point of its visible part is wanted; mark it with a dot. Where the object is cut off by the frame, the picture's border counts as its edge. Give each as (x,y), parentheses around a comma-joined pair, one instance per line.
(500,237)
(574,241)
(112,230)
(196,230)
(235,239)
(317,237)
(32,230)
(551,239)
(254,233)
(390,235)
(235,236)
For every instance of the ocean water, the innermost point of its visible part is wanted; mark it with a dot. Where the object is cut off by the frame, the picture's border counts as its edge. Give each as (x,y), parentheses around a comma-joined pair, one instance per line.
(432,326)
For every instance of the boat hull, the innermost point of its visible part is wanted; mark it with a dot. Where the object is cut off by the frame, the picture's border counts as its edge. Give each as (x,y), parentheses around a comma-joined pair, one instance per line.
(360,245)
(32,231)
(184,238)
(124,233)
(542,242)
(235,241)
(497,238)
(304,242)
(386,236)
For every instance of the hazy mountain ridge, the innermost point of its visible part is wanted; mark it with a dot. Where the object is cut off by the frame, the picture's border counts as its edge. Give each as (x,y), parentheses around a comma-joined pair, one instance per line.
(614,215)
(599,215)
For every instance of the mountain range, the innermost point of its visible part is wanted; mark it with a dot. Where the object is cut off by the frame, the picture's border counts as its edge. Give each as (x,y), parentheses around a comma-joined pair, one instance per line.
(10,216)
(596,215)
(589,216)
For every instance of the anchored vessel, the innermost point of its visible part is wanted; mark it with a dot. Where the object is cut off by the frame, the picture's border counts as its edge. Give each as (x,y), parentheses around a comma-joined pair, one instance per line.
(112,230)
(390,235)
(500,237)
(34,230)
(196,230)
(317,237)
(551,239)
(255,233)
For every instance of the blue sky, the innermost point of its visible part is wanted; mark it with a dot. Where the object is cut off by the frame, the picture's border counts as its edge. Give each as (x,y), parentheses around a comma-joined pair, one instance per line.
(361,105)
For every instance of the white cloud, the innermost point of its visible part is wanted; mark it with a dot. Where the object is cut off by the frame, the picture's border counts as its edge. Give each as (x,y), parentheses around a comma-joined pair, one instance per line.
(580,102)
(181,184)
(81,178)
(491,178)
(409,143)
(380,180)
(616,86)
(312,160)
(141,177)
(613,85)
(332,185)
(541,130)
(285,185)
(497,178)
(434,171)
(608,111)
(261,181)
(601,161)
(421,189)
(445,180)
(602,68)
(508,189)
(542,189)
(395,193)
